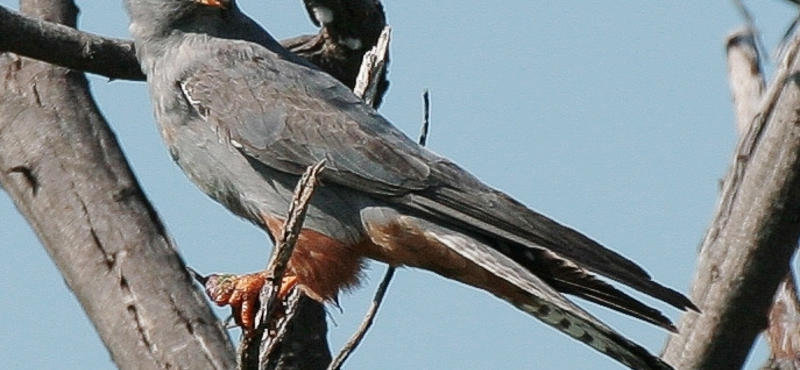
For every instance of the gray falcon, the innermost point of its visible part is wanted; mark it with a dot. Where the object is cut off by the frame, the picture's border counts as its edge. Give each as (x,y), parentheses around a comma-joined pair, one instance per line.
(243,118)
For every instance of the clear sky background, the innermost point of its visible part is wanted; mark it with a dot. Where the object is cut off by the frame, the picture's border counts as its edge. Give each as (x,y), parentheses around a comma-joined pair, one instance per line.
(613,117)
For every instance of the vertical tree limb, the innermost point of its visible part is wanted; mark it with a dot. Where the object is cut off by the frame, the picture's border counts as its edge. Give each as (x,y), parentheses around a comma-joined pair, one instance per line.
(56,152)
(349,29)
(745,253)
(62,166)
(373,70)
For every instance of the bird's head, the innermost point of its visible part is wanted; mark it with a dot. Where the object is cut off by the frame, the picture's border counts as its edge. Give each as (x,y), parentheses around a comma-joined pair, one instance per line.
(161,25)
(159,18)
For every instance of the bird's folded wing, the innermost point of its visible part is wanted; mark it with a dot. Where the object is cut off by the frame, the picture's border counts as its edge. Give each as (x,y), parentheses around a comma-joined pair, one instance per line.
(288,116)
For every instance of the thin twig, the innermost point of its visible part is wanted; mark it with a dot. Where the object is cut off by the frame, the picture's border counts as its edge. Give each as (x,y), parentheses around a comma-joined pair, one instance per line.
(293,224)
(249,347)
(750,23)
(745,14)
(355,340)
(366,88)
(380,293)
(270,343)
(290,232)
(787,35)
(426,116)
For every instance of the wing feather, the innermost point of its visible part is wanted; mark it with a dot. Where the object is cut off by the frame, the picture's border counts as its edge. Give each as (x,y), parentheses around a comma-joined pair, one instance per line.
(289,116)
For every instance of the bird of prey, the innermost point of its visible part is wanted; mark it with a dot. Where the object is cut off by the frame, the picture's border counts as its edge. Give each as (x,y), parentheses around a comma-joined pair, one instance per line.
(243,118)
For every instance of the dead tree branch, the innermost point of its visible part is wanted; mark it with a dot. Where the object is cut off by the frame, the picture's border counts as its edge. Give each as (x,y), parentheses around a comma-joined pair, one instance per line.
(745,77)
(746,251)
(369,318)
(349,29)
(63,169)
(67,47)
(257,350)
(783,331)
(57,152)
(372,70)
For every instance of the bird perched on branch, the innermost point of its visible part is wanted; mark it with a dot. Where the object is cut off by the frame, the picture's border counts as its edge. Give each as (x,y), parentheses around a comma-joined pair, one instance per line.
(243,118)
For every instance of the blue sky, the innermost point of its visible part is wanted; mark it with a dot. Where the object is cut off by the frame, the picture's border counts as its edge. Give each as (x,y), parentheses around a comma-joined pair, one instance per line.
(613,117)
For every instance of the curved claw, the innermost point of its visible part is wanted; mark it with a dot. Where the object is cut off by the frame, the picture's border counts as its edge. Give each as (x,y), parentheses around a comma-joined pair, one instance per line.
(242,292)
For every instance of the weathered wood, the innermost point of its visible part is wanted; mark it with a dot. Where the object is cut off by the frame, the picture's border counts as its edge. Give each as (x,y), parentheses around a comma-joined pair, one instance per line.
(57,153)
(67,47)
(747,248)
(352,23)
(783,332)
(745,77)
(62,166)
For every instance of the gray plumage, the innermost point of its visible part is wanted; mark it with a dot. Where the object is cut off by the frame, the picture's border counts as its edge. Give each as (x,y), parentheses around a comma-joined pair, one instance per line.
(243,117)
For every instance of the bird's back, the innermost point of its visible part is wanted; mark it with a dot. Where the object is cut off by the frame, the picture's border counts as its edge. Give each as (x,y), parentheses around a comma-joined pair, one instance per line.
(243,118)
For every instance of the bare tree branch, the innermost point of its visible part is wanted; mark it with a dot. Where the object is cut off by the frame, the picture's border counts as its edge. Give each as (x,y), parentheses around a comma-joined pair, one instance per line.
(426,118)
(62,166)
(747,87)
(68,47)
(373,68)
(350,29)
(745,76)
(783,332)
(258,348)
(746,251)
(359,334)
(292,226)
(107,239)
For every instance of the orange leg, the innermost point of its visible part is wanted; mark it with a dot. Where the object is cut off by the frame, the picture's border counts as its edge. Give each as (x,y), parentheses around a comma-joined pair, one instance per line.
(242,293)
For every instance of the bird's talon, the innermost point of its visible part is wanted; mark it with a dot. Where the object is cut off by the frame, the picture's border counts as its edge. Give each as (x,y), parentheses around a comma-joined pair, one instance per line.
(241,292)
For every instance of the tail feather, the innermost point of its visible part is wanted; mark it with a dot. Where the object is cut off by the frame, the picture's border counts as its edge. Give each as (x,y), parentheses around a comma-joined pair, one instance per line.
(616,300)
(524,234)
(594,334)
(550,263)
(534,296)
(577,247)
(567,277)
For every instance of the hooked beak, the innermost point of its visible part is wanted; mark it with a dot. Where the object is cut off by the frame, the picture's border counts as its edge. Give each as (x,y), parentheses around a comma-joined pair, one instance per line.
(223,4)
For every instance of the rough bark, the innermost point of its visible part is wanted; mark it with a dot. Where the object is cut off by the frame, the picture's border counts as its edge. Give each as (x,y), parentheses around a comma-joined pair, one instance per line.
(63,168)
(57,153)
(67,47)
(746,251)
(305,335)
(353,22)
(783,332)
